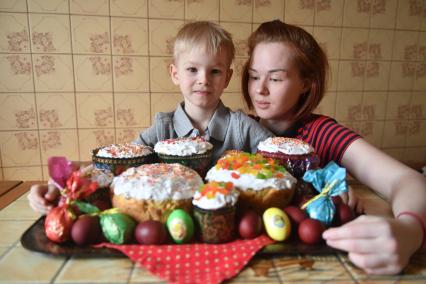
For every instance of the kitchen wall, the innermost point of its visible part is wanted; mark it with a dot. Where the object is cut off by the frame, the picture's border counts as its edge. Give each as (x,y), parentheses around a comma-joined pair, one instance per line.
(77,74)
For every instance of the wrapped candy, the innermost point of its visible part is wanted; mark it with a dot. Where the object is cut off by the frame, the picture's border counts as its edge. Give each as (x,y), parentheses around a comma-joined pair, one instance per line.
(58,224)
(73,184)
(329,181)
(118,228)
(79,187)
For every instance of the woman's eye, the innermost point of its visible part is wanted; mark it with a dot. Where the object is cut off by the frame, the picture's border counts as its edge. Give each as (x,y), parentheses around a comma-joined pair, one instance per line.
(276,79)
(253,77)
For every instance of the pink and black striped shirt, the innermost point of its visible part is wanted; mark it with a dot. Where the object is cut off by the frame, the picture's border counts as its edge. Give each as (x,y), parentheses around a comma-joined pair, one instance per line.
(329,138)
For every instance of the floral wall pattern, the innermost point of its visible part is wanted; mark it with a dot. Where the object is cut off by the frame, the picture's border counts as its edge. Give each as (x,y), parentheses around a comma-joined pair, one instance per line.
(78,74)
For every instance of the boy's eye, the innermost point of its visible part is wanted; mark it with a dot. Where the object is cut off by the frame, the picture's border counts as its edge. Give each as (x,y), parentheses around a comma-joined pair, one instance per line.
(216,71)
(191,69)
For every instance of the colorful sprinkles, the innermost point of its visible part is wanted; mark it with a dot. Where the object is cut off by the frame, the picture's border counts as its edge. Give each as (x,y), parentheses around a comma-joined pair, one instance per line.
(212,188)
(253,164)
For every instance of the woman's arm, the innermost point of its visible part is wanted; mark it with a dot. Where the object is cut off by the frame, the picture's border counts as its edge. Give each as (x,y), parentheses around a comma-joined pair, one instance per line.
(376,244)
(402,186)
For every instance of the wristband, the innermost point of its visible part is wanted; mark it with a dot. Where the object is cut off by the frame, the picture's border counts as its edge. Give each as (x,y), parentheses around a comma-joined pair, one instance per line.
(419,220)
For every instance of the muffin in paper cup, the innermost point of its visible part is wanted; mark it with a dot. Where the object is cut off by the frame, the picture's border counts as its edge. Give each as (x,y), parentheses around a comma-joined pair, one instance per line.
(153,191)
(295,155)
(214,212)
(192,152)
(262,182)
(119,157)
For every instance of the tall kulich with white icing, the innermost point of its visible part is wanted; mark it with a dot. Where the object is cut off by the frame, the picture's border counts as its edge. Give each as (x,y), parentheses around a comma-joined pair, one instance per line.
(295,155)
(262,182)
(193,152)
(153,191)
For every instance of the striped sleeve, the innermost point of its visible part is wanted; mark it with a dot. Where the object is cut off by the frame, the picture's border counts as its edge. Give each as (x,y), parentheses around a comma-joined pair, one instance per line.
(329,138)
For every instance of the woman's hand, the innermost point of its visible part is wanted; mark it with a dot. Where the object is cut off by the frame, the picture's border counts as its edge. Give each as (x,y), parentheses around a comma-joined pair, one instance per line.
(43,197)
(376,244)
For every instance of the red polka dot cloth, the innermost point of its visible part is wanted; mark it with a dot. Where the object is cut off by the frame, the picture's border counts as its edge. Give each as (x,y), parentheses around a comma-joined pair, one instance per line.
(194,263)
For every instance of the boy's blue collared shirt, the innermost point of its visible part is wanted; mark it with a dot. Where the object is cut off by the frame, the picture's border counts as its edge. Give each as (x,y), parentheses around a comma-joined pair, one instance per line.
(227,130)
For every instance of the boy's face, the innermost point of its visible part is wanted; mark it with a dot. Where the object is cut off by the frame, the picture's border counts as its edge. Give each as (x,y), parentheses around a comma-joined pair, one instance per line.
(201,77)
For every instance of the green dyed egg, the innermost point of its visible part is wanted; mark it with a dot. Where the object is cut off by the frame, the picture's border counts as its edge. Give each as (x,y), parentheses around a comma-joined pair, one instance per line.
(117,227)
(180,226)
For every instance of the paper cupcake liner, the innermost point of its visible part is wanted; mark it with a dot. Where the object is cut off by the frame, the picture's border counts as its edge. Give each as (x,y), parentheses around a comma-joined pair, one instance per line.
(215,226)
(296,165)
(260,200)
(144,210)
(199,162)
(119,165)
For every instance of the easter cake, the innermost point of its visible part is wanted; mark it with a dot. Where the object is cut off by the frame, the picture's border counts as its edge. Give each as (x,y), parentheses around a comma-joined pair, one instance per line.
(193,152)
(261,181)
(153,191)
(119,157)
(214,211)
(295,155)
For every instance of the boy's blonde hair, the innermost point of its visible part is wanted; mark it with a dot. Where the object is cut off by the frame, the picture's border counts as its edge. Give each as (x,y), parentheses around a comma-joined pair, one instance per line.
(205,36)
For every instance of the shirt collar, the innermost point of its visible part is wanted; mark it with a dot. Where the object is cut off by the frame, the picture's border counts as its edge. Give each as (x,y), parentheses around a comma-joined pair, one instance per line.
(217,128)
(181,121)
(219,123)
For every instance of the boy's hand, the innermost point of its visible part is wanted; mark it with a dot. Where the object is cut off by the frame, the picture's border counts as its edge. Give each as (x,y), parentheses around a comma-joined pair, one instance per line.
(43,197)
(376,244)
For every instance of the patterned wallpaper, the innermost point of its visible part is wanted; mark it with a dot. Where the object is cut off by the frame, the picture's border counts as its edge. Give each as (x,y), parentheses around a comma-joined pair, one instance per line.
(76,74)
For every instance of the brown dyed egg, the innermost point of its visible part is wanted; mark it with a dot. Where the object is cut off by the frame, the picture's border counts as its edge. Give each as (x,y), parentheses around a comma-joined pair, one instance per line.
(310,231)
(86,230)
(250,225)
(151,233)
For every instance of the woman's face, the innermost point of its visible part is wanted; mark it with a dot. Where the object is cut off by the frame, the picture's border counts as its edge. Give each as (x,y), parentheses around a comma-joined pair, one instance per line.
(274,83)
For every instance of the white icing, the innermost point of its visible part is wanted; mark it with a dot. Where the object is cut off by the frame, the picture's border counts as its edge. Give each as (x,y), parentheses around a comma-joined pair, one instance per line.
(102,177)
(183,146)
(248,181)
(289,146)
(157,182)
(127,150)
(218,201)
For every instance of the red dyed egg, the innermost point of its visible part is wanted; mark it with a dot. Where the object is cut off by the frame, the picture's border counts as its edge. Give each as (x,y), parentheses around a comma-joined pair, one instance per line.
(151,233)
(295,214)
(310,231)
(86,230)
(344,214)
(250,225)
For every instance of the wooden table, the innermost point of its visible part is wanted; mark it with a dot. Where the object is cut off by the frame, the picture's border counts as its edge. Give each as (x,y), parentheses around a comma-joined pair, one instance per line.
(8,193)
(18,265)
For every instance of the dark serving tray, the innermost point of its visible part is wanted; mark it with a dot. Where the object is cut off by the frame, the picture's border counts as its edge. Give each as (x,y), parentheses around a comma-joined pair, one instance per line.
(34,239)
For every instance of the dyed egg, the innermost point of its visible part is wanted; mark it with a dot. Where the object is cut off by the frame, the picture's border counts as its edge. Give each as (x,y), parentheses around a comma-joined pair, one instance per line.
(180,226)
(277,224)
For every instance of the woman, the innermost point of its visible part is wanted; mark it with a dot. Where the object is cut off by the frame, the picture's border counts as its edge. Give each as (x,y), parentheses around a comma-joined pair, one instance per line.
(284,81)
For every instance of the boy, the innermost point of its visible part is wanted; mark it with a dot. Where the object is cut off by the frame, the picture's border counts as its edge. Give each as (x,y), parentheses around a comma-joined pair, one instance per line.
(203,53)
